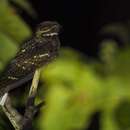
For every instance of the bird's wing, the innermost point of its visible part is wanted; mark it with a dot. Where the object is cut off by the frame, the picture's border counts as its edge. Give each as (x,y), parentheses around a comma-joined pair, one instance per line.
(22,67)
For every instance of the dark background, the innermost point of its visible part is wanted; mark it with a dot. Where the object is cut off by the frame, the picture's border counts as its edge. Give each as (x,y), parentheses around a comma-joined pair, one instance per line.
(81,20)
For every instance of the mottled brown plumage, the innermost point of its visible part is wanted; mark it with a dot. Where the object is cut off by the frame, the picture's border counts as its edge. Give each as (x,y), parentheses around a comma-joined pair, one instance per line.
(35,53)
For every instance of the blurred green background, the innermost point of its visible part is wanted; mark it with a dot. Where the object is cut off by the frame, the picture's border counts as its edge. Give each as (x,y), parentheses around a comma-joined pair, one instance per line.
(74,87)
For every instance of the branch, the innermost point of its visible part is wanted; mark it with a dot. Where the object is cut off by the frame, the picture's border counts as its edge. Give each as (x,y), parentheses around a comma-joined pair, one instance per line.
(12,114)
(24,122)
(30,106)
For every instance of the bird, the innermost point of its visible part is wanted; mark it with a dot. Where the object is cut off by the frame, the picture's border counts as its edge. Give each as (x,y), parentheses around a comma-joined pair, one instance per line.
(38,51)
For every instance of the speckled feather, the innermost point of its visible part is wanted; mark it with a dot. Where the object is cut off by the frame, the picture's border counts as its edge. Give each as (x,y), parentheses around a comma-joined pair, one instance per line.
(33,54)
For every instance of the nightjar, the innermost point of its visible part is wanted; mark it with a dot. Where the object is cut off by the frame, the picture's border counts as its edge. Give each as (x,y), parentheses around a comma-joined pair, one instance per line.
(35,53)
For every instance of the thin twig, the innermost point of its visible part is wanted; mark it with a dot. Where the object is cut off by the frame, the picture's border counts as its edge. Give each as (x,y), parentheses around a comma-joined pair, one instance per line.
(12,114)
(25,122)
(30,106)
(33,89)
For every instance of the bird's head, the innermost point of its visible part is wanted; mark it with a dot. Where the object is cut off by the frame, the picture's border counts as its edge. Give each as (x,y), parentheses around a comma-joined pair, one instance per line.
(48,29)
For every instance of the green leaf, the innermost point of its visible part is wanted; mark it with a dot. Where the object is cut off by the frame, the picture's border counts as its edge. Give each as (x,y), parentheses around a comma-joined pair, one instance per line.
(26,6)
(8,49)
(11,24)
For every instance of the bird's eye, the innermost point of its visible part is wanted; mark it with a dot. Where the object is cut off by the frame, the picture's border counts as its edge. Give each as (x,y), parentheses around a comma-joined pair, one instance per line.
(44,29)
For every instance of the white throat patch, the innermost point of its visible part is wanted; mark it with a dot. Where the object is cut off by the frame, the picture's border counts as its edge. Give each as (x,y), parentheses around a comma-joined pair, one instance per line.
(51,34)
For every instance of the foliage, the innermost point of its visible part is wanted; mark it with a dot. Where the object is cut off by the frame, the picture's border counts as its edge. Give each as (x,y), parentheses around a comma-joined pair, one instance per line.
(13,31)
(75,91)
(74,87)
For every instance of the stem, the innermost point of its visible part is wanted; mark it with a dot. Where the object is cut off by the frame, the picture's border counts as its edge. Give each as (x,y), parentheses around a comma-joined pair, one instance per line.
(33,89)
(25,122)
(12,114)
(30,106)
